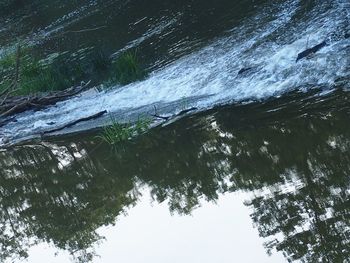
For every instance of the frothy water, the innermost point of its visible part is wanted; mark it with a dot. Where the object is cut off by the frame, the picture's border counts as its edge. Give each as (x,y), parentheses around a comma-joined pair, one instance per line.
(267,43)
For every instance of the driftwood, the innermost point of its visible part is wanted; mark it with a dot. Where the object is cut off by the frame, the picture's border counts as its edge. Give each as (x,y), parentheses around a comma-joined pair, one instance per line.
(243,70)
(183,112)
(166,118)
(160,117)
(70,124)
(101,113)
(10,105)
(310,51)
(155,115)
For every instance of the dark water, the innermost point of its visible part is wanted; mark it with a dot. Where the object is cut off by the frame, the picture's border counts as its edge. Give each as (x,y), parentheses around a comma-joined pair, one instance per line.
(262,178)
(288,160)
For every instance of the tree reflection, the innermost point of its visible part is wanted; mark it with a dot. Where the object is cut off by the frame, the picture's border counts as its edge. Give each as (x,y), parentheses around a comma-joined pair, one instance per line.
(294,162)
(299,177)
(62,203)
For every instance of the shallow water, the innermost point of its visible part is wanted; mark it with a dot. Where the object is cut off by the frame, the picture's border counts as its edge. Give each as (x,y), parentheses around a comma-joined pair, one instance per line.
(258,173)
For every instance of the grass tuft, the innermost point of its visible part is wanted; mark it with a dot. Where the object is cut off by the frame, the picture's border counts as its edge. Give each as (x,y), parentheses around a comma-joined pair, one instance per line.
(118,133)
(127,68)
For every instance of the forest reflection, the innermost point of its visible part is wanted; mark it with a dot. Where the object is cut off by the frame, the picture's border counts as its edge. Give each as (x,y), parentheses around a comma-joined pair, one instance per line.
(293,161)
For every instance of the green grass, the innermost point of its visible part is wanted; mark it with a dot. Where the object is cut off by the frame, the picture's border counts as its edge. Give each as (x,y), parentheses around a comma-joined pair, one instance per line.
(8,60)
(61,72)
(37,77)
(127,68)
(118,133)
(7,69)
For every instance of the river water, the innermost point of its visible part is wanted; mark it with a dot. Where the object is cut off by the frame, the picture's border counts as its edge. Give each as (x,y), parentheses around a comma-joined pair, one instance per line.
(258,173)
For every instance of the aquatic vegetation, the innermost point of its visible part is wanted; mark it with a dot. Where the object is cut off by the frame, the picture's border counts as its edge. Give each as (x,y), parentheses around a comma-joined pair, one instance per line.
(116,132)
(127,68)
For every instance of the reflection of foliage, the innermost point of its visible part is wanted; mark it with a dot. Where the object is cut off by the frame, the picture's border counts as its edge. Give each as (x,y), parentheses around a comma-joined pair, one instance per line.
(307,223)
(299,174)
(296,169)
(59,205)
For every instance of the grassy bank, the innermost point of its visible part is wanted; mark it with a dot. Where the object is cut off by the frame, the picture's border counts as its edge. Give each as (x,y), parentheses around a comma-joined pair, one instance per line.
(32,74)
